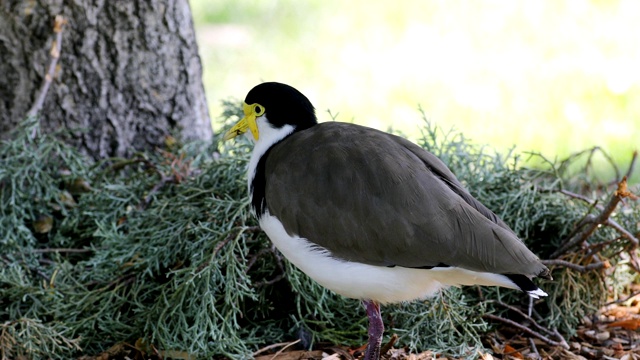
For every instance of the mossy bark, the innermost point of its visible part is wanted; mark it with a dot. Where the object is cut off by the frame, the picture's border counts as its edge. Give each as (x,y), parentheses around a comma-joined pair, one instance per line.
(128,75)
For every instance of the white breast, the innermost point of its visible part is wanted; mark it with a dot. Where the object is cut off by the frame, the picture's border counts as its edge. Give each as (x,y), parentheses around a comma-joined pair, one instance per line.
(269,135)
(362,281)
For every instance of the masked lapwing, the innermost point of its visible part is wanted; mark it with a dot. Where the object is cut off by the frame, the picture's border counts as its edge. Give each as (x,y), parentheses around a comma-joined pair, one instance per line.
(370,215)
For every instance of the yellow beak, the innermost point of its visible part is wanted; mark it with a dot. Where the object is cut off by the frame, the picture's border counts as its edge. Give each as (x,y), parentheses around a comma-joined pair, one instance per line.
(247,122)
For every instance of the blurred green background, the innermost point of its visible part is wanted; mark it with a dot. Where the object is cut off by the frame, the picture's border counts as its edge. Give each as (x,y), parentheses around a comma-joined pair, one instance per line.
(548,76)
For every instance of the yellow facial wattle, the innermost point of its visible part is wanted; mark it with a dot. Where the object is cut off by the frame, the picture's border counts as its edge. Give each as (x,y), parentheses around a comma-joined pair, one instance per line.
(248,122)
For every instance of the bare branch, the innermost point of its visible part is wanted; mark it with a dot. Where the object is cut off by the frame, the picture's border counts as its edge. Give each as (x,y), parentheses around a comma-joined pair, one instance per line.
(570,265)
(624,232)
(56,48)
(270,282)
(632,164)
(580,197)
(600,219)
(172,179)
(620,301)
(280,265)
(610,222)
(613,165)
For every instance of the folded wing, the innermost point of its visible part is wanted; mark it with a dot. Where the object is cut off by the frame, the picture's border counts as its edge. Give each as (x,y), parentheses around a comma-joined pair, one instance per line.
(382,200)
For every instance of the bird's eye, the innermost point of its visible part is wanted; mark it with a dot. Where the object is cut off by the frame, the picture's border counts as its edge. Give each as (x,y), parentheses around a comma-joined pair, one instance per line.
(259,110)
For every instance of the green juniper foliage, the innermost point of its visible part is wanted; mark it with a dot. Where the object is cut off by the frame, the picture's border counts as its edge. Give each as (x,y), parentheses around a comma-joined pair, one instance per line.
(161,249)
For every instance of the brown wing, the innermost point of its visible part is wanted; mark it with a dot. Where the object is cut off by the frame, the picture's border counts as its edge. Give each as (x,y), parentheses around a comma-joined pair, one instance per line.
(375,198)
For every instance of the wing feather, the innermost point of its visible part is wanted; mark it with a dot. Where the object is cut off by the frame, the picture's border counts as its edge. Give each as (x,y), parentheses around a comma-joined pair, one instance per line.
(376,198)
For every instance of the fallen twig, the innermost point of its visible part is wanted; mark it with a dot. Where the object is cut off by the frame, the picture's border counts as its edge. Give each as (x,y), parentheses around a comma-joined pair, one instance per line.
(255,258)
(122,163)
(226,240)
(64,250)
(38,271)
(273,346)
(527,317)
(284,348)
(634,261)
(561,343)
(385,349)
(534,348)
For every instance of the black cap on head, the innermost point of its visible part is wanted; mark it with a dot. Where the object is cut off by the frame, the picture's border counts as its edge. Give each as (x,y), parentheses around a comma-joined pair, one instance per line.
(284,105)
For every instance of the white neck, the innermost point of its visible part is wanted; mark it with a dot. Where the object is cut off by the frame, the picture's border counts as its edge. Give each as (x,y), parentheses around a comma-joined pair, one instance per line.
(269,135)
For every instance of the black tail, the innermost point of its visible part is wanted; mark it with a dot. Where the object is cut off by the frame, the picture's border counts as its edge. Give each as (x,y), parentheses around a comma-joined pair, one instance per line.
(525,284)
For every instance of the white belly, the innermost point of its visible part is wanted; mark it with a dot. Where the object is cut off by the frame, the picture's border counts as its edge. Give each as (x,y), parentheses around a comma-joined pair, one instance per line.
(361,281)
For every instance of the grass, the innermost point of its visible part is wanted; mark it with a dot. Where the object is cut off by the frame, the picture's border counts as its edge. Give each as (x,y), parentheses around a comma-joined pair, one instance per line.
(548,76)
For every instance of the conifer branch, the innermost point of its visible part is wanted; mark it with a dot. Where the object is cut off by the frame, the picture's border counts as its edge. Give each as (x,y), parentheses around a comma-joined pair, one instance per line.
(186,267)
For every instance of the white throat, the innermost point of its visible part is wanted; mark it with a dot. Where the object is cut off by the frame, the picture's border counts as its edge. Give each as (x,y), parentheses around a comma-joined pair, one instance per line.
(269,135)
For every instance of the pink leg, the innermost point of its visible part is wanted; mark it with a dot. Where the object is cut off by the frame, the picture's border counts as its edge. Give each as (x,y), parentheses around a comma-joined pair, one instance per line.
(376,329)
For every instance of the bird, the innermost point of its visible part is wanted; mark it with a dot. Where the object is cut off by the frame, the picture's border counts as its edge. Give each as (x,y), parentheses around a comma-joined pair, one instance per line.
(368,214)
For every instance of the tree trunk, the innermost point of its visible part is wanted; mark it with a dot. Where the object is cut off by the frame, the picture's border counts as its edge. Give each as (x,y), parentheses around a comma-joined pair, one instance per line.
(127,76)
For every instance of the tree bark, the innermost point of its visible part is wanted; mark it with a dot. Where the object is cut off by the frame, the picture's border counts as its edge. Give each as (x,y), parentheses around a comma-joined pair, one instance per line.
(128,74)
